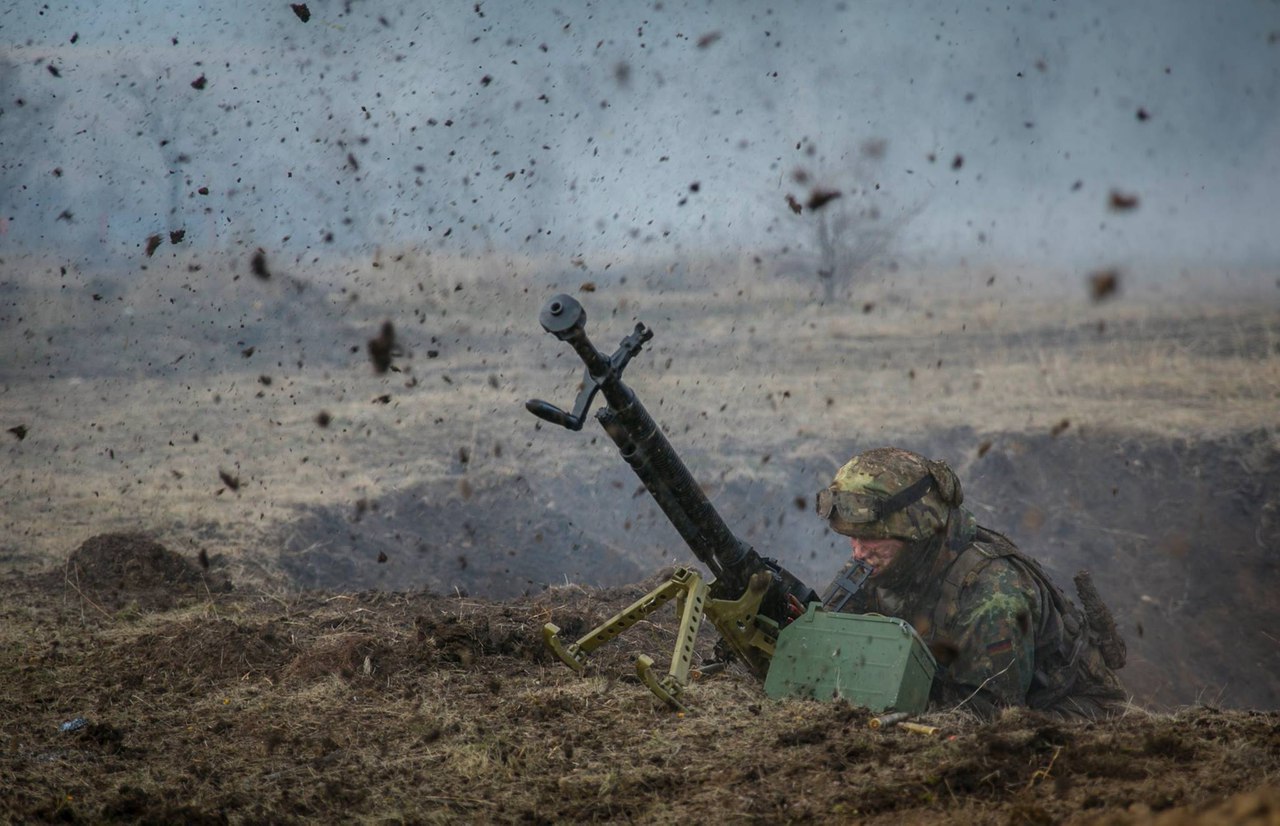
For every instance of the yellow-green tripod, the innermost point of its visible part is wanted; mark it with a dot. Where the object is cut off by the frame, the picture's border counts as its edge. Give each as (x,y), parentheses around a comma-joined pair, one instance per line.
(749,634)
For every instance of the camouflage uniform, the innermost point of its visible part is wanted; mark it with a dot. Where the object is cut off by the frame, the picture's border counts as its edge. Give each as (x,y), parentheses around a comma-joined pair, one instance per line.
(1002,633)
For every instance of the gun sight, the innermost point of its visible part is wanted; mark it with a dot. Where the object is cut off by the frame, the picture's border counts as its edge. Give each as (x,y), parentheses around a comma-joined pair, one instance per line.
(564,318)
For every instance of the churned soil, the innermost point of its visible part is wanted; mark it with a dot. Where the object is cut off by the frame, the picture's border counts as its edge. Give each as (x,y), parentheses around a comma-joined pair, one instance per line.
(223,705)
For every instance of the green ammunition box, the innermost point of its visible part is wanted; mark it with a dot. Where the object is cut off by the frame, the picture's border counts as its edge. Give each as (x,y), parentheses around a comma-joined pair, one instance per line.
(873,661)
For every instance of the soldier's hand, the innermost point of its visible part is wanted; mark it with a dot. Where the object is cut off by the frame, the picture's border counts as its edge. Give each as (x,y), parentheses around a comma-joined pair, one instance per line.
(794,610)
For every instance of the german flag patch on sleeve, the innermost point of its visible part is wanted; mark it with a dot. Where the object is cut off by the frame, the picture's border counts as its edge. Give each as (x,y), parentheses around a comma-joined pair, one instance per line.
(1000,647)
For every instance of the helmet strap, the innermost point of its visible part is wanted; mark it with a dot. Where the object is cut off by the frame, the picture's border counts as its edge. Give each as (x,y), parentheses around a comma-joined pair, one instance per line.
(907,496)
(961,529)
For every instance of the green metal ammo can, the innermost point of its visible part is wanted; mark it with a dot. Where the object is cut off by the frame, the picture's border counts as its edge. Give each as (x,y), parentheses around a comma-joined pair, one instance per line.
(870,660)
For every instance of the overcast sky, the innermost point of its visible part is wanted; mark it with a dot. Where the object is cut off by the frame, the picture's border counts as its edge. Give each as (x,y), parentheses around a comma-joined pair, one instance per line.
(625,129)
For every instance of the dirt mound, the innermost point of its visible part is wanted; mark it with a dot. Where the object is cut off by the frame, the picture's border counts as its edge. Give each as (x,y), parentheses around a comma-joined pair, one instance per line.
(185,656)
(494,537)
(413,707)
(121,568)
(344,655)
(1259,807)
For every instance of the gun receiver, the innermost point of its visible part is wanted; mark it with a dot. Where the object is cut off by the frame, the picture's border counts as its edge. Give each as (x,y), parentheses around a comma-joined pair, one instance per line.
(751,594)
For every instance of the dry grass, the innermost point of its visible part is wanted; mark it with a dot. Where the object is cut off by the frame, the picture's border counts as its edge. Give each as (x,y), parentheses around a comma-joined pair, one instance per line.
(113,452)
(413,708)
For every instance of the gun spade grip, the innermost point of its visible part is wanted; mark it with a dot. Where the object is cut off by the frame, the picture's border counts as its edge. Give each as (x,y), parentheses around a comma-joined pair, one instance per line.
(561,314)
(549,412)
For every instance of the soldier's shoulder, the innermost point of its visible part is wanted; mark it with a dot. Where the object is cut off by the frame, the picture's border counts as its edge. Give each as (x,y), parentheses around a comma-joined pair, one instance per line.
(993,569)
(995,543)
(985,550)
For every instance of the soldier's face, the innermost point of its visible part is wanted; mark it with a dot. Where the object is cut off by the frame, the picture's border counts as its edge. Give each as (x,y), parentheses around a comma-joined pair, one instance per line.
(877,553)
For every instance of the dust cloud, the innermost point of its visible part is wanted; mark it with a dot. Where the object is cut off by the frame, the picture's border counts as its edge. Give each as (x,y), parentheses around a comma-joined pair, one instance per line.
(270,278)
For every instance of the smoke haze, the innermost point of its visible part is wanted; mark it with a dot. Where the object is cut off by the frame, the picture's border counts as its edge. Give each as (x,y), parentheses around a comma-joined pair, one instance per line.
(617,131)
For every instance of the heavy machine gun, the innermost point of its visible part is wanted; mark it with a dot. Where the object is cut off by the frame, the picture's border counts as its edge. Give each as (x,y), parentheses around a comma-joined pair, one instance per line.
(750,597)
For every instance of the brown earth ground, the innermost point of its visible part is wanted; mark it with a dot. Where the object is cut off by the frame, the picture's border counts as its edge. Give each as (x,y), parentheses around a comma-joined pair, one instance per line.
(337,614)
(199,705)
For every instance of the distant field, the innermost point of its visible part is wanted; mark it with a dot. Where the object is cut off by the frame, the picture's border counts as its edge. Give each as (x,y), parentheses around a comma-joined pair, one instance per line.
(188,402)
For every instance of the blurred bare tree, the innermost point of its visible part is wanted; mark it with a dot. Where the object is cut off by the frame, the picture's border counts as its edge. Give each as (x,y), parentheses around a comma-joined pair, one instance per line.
(850,238)
(849,231)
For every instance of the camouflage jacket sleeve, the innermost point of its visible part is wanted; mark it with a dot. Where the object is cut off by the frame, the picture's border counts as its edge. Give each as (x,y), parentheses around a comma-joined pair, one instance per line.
(991,634)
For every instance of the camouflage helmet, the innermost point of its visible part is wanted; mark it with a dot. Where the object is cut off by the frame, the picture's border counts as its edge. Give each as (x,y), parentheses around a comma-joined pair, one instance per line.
(890,493)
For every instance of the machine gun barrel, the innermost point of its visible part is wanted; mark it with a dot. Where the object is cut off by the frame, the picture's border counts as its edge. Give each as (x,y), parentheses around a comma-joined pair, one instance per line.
(645,448)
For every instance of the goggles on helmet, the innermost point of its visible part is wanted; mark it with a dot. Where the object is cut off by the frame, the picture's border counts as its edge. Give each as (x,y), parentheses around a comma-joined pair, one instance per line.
(857,508)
